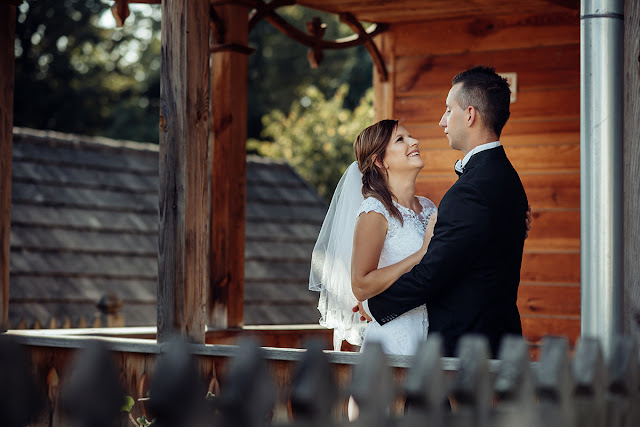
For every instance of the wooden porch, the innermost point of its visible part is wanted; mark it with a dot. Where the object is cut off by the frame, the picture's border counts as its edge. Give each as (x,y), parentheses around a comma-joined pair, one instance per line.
(201,222)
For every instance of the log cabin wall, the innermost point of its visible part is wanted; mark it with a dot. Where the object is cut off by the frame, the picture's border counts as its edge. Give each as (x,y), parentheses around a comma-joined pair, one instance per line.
(542,137)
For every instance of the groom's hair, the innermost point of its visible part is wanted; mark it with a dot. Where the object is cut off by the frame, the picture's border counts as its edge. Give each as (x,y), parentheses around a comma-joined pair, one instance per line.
(371,145)
(486,91)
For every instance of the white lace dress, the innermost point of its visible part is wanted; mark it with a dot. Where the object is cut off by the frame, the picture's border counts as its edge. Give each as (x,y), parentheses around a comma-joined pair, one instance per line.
(402,334)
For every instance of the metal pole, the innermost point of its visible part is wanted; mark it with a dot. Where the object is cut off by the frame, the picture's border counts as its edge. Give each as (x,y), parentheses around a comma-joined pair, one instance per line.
(601,174)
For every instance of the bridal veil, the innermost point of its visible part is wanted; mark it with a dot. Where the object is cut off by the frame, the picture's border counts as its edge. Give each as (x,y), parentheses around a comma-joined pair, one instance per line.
(331,261)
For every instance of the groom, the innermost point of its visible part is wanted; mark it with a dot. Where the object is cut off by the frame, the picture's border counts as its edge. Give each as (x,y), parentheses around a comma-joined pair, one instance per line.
(469,277)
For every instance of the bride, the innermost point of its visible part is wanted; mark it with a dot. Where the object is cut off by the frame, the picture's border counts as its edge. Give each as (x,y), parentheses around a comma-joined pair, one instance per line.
(376,230)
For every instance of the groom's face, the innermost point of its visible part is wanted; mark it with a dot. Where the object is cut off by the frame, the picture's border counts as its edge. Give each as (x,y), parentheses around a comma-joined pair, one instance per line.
(454,121)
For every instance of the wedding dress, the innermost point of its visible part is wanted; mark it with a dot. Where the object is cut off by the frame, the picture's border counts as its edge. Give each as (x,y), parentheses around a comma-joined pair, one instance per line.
(330,273)
(403,334)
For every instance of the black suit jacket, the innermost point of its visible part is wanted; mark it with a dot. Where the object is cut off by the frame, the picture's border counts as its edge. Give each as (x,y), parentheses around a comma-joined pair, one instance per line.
(469,277)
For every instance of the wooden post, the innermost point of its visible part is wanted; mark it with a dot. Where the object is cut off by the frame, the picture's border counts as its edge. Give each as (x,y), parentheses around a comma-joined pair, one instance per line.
(7,67)
(228,167)
(385,90)
(184,133)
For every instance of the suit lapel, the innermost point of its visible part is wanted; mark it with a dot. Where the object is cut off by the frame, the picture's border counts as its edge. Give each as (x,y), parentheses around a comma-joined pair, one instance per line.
(481,157)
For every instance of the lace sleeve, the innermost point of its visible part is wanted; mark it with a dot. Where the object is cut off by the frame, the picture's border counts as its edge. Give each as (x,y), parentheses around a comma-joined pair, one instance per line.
(371,204)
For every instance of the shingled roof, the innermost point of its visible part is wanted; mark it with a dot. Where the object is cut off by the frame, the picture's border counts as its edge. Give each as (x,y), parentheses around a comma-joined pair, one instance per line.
(84,224)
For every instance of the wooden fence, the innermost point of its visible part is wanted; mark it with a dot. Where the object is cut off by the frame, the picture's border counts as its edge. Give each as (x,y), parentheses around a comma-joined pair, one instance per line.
(565,388)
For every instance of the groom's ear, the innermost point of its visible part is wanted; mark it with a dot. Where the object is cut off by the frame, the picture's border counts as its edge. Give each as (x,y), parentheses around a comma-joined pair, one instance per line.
(472,115)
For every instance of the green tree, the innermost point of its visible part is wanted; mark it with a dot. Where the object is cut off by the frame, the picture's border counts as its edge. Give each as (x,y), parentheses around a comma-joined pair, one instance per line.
(279,69)
(74,76)
(316,136)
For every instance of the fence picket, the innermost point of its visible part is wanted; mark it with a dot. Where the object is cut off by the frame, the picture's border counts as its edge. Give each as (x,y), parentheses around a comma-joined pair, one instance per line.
(177,394)
(372,387)
(425,387)
(514,385)
(92,397)
(589,377)
(558,391)
(314,390)
(472,383)
(623,381)
(554,387)
(247,395)
(20,400)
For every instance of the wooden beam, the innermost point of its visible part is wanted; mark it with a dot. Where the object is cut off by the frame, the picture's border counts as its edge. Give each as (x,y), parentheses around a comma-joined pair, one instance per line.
(7,67)
(228,172)
(384,89)
(184,133)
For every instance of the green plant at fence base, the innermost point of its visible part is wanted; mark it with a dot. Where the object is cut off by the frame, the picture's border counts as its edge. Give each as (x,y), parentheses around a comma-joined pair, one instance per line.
(128,405)
(142,421)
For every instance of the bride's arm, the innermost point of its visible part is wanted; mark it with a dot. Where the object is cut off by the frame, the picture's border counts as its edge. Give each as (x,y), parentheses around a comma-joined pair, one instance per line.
(367,280)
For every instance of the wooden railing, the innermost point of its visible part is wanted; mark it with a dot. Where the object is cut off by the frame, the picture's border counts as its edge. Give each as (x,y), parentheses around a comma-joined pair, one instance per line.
(60,380)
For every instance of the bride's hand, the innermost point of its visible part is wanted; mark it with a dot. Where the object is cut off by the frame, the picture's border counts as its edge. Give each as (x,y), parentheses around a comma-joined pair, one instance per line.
(428,234)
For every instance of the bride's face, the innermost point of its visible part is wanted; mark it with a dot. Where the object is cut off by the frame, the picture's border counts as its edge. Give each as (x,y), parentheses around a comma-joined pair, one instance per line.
(402,152)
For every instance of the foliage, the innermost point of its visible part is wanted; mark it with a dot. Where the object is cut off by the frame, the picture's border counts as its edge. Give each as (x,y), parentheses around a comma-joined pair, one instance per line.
(316,136)
(73,75)
(76,74)
(279,69)
(137,422)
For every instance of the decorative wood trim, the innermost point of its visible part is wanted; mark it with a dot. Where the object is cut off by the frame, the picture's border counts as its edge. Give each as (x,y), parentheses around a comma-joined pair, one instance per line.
(261,10)
(120,9)
(372,49)
(228,172)
(314,40)
(7,71)
(184,138)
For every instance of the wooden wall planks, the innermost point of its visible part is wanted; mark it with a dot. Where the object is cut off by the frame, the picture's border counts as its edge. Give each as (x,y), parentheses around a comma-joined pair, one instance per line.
(485,34)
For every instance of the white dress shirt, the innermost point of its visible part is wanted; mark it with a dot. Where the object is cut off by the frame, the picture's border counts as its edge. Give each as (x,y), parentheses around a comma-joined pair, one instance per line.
(460,164)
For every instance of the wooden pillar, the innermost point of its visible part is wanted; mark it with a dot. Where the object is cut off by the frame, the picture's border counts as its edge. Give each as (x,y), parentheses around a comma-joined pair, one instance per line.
(228,167)
(384,91)
(631,168)
(7,67)
(184,133)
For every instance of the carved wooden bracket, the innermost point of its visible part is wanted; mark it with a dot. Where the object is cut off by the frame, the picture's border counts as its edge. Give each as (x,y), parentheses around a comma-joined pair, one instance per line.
(261,10)
(120,11)
(314,40)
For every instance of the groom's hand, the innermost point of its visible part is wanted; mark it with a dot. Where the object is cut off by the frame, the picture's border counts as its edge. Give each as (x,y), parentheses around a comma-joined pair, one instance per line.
(363,314)
(527,222)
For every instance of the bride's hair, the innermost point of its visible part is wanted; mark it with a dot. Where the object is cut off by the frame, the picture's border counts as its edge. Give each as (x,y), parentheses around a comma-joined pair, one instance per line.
(371,144)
